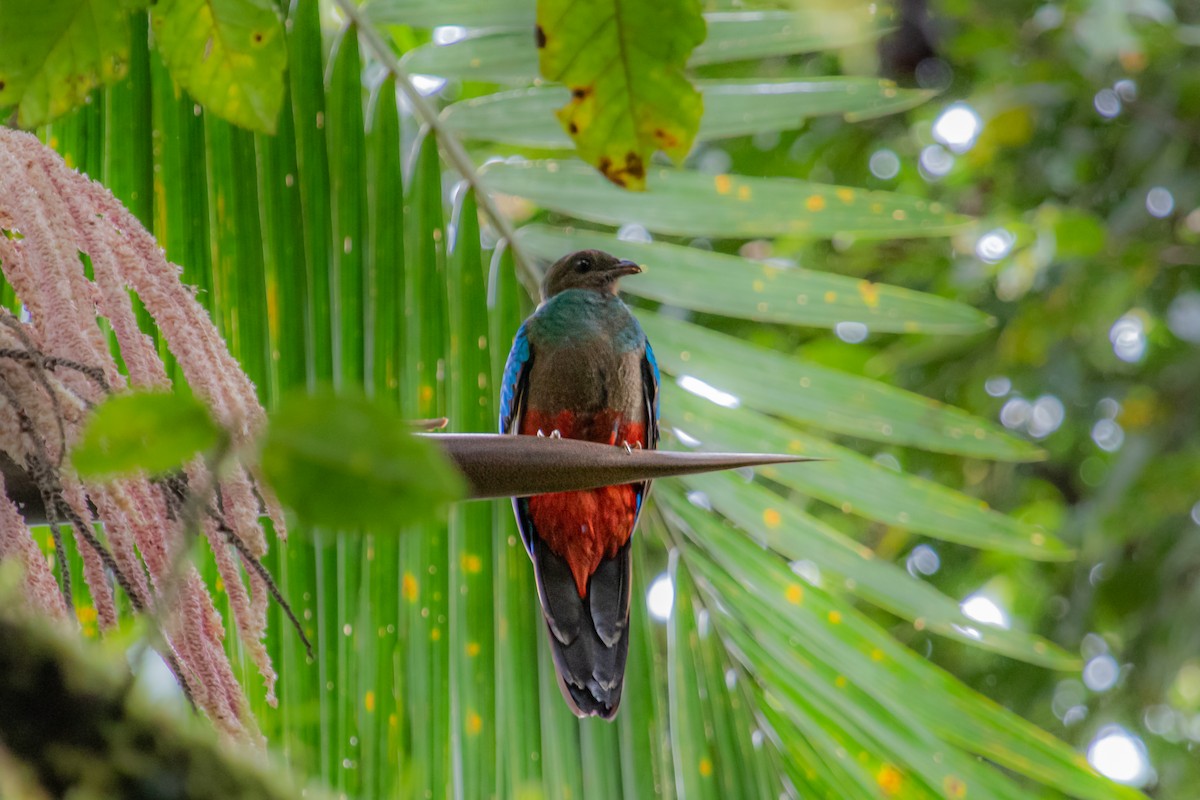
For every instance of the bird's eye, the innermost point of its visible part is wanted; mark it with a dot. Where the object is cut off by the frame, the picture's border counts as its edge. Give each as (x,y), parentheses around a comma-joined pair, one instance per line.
(583,265)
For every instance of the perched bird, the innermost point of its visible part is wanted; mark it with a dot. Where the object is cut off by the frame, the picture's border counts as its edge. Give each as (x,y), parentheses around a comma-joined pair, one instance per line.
(581,368)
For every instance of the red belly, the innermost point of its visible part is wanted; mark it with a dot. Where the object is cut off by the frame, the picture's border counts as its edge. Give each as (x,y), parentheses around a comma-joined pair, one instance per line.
(585,527)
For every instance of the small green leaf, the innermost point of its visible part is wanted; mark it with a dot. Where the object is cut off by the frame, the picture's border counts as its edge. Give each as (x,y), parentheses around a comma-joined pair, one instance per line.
(54,54)
(629,96)
(346,462)
(229,54)
(152,432)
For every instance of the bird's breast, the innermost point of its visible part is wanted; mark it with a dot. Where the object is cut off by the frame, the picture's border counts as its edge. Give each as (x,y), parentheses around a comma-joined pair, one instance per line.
(589,377)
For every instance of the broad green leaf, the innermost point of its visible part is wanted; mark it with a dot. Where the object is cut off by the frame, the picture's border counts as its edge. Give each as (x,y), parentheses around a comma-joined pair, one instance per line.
(385,264)
(54,54)
(128,122)
(284,258)
(128,164)
(348,177)
(237,254)
(562,769)
(745,34)
(180,177)
(826,398)
(748,106)
(427,291)
(856,484)
(796,536)
(893,749)
(731,108)
(511,57)
(819,632)
(346,462)
(151,432)
(229,54)
(472,539)
(798,757)
(461,13)
(733,35)
(629,96)
(644,756)
(687,203)
(693,754)
(426,693)
(382,755)
(508,58)
(313,183)
(739,287)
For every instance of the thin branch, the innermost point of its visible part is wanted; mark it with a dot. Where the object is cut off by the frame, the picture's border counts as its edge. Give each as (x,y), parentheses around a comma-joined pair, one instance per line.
(256,566)
(175,493)
(453,149)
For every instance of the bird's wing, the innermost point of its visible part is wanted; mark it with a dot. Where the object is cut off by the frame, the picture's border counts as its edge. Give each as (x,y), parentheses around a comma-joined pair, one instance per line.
(515,385)
(514,391)
(650,395)
(650,392)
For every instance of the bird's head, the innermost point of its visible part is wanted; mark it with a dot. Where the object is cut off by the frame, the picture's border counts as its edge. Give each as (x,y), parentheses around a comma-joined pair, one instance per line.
(586,269)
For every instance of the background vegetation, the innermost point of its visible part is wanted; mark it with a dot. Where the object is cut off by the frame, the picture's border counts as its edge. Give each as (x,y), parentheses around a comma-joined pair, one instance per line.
(1044,163)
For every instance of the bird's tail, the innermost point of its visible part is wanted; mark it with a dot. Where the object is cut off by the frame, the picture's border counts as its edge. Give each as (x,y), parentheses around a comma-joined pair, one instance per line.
(588,635)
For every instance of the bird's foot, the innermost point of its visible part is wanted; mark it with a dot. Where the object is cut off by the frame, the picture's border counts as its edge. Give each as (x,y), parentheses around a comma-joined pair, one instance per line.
(555,434)
(629,448)
(540,434)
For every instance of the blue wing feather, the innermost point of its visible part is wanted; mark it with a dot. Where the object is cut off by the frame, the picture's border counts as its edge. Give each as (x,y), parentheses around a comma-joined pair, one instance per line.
(513,385)
(513,388)
(650,380)
(653,379)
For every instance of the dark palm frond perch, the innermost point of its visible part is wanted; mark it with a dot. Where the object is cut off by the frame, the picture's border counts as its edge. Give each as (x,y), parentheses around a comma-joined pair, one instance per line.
(497,465)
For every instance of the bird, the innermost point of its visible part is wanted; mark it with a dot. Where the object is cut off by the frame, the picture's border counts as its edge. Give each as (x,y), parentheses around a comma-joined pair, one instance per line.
(581,368)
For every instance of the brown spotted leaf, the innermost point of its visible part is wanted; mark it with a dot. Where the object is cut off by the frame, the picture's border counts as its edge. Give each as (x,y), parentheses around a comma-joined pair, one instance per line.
(623,63)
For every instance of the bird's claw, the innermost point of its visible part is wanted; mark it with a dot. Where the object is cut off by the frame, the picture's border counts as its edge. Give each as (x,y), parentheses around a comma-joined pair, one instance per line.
(555,434)
(540,434)
(629,448)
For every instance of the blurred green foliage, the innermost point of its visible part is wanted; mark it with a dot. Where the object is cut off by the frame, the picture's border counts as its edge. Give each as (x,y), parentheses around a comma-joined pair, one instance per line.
(1067,130)
(1085,177)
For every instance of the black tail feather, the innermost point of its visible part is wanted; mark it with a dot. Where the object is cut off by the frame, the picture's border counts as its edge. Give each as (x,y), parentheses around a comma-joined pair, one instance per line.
(587,634)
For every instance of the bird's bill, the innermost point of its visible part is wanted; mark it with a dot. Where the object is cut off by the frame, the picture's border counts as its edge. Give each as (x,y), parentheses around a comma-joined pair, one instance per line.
(626,268)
